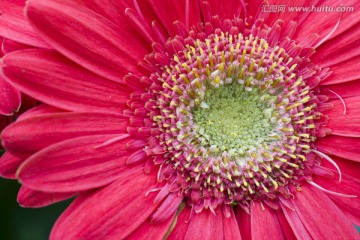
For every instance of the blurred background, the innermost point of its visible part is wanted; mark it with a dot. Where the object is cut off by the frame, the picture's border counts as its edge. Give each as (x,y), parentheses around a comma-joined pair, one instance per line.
(18,223)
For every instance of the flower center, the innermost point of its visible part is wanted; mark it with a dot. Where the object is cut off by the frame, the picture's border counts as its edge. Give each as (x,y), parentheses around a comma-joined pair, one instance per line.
(232,119)
(235,119)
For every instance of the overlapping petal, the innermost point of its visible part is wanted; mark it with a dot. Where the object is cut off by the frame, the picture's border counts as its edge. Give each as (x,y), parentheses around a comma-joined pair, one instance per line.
(109,209)
(35,199)
(10,98)
(90,39)
(47,129)
(53,79)
(14,25)
(77,164)
(317,212)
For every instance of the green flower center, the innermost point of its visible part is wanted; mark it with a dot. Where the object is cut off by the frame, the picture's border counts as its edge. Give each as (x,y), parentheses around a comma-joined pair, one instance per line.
(233,118)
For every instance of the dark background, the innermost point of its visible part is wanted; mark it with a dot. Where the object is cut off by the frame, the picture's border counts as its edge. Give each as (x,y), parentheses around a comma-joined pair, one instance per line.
(17,223)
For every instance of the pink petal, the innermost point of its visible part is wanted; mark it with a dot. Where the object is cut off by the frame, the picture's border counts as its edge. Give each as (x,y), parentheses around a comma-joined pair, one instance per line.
(254,9)
(1,50)
(8,162)
(10,98)
(296,224)
(52,79)
(264,222)
(185,11)
(47,129)
(285,226)
(344,147)
(288,16)
(205,225)
(226,11)
(345,124)
(89,40)
(321,217)
(140,25)
(112,212)
(348,185)
(181,226)
(14,26)
(244,222)
(34,199)
(115,12)
(9,165)
(322,22)
(346,166)
(346,89)
(75,165)
(41,109)
(344,47)
(344,72)
(167,208)
(9,46)
(348,21)
(152,231)
(231,228)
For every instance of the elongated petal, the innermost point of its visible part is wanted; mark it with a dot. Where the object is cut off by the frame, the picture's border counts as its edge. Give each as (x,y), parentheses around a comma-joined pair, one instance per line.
(52,79)
(34,199)
(285,226)
(345,90)
(287,16)
(347,124)
(75,165)
(14,25)
(244,222)
(10,98)
(90,39)
(44,130)
(184,11)
(9,165)
(264,223)
(323,22)
(348,167)
(344,147)
(211,225)
(348,21)
(167,208)
(112,212)
(41,109)
(231,228)
(9,46)
(296,224)
(348,185)
(318,212)
(344,47)
(229,10)
(153,231)
(181,224)
(344,72)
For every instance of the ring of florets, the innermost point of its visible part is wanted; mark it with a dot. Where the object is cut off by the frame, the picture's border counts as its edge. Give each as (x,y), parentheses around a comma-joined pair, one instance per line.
(236,120)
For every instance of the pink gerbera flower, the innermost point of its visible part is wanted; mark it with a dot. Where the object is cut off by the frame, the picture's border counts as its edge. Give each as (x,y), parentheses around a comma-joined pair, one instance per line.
(187,119)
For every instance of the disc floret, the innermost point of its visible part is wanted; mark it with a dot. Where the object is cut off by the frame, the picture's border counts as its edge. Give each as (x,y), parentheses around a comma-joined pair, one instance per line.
(236,121)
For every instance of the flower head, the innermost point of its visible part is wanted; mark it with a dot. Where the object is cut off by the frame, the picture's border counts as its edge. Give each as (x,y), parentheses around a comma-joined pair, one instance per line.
(217,121)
